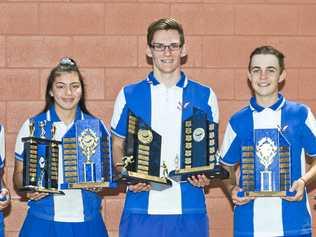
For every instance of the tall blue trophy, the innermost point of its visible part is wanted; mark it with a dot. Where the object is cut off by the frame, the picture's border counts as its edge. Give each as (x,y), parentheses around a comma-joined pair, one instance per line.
(40,161)
(199,149)
(87,156)
(266,166)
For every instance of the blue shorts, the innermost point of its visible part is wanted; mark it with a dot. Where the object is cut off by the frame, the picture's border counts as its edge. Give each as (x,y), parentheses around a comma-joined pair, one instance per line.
(37,227)
(143,225)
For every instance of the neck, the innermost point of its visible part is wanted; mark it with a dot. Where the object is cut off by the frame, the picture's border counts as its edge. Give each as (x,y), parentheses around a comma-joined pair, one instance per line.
(168,79)
(266,101)
(67,116)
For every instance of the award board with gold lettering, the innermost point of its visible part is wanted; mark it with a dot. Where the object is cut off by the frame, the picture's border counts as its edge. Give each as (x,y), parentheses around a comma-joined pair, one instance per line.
(266,167)
(141,162)
(199,149)
(87,156)
(40,161)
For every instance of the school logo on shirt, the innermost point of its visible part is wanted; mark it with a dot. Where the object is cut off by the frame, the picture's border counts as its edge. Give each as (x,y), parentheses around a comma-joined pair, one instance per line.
(182,106)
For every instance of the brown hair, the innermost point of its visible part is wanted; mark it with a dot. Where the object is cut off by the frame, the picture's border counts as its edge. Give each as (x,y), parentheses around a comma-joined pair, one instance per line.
(164,24)
(268,50)
(65,65)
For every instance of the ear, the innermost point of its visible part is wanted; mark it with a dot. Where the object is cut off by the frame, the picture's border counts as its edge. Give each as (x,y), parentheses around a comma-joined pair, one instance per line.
(183,51)
(249,76)
(282,76)
(148,52)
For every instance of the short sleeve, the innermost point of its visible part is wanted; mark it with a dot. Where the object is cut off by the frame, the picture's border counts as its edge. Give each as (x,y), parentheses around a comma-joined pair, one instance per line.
(230,148)
(308,134)
(120,116)
(212,102)
(19,146)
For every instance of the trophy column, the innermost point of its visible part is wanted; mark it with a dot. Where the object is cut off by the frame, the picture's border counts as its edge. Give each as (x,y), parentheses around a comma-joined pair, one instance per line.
(88,142)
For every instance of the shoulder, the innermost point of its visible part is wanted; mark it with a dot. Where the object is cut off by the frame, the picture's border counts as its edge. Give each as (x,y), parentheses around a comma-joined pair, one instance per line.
(39,117)
(296,109)
(134,87)
(200,89)
(241,116)
(198,85)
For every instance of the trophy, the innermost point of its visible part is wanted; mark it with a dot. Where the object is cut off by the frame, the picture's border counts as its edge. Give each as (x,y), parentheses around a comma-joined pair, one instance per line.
(141,162)
(266,167)
(199,149)
(40,163)
(87,157)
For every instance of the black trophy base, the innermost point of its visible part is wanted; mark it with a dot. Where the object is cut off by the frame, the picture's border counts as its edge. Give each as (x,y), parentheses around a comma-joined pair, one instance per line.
(218,172)
(130,178)
(31,188)
(266,194)
(92,185)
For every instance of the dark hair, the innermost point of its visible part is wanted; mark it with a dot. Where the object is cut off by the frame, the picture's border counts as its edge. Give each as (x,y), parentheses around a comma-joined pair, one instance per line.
(268,50)
(164,24)
(65,65)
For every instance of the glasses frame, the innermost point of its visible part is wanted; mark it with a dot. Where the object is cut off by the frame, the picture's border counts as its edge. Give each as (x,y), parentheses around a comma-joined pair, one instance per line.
(171,47)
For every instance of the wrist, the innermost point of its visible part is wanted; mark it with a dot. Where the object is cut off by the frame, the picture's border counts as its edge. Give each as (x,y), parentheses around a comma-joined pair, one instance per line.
(303,180)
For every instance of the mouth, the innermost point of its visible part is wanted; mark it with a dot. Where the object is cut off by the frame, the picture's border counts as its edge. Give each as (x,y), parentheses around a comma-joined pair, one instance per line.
(263,84)
(68,100)
(167,60)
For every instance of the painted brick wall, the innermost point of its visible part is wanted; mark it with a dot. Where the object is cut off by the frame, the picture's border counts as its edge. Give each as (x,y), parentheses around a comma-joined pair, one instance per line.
(107,38)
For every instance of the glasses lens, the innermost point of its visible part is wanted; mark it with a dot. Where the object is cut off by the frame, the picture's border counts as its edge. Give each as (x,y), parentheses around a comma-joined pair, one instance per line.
(158,47)
(162,47)
(174,46)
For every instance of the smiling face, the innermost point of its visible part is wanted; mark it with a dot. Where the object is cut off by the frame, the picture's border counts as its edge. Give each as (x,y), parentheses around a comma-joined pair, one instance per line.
(66,91)
(168,60)
(265,76)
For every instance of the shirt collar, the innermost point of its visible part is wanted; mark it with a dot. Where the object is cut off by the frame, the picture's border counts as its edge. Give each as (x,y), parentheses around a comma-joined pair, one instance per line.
(276,106)
(52,115)
(182,82)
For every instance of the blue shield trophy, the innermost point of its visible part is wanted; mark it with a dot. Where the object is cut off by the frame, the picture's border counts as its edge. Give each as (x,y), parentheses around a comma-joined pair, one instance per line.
(199,149)
(87,157)
(40,161)
(141,162)
(266,167)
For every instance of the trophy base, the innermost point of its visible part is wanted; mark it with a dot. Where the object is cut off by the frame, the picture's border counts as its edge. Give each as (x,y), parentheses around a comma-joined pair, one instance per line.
(3,198)
(92,185)
(218,172)
(41,190)
(130,177)
(266,194)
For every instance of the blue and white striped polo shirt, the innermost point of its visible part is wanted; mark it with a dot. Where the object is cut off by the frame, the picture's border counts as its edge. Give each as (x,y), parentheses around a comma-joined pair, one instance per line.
(76,205)
(272,216)
(164,109)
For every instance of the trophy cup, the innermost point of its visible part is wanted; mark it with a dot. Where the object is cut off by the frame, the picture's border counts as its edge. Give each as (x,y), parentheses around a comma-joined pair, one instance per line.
(266,167)
(87,157)
(40,163)
(199,152)
(141,163)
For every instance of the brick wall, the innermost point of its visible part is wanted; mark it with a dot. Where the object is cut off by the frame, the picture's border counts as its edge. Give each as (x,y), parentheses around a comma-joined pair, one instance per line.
(107,38)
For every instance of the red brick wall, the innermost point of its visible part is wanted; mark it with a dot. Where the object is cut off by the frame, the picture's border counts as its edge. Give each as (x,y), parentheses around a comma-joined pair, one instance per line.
(107,38)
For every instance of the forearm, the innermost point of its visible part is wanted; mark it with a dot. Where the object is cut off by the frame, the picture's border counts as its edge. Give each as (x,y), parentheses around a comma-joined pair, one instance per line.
(229,183)
(18,174)
(310,174)
(118,151)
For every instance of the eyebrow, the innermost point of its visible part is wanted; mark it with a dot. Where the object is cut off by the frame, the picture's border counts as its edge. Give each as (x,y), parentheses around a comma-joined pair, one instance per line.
(258,67)
(75,82)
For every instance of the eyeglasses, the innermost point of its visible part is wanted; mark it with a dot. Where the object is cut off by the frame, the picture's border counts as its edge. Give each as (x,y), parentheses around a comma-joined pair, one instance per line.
(162,47)
(67,62)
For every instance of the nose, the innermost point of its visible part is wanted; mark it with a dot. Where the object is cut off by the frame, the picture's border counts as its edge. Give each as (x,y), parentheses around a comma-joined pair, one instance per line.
(68,90)
(263,75)
(167,50)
